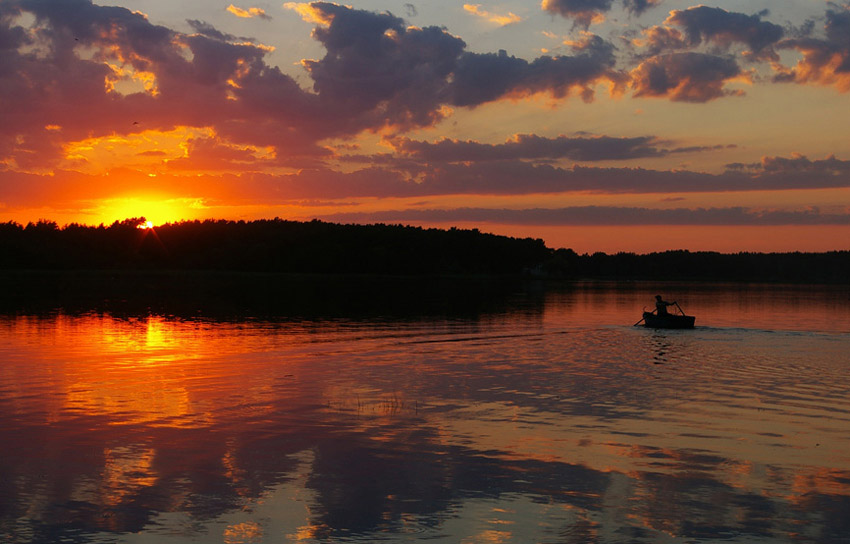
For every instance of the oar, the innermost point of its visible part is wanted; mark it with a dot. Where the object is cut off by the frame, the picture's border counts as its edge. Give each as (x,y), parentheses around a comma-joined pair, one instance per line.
(641,319)
(680,308)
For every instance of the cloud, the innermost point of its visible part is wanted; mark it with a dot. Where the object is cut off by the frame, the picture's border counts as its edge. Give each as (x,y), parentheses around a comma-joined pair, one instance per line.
(826,61)
(248,13)
(587,12)
(404,178)
(599,216)
(206,29)
(96,71)
(801,163)
(382,72)
(517,177)
(701,148)
(723,28)
(212,154)
(100,68)
(662,39)
(639,6)
(533,147)
(481,78)
(686,77)
(378,71)
(796,164)
(583,12)
(206,79)
(530,146)
(401,179)
(501,20)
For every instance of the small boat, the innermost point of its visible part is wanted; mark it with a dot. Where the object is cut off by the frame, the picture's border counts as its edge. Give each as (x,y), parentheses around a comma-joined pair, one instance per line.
(668,321)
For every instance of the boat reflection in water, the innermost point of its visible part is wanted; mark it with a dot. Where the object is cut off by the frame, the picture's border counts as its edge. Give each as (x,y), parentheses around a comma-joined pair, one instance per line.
(524,416)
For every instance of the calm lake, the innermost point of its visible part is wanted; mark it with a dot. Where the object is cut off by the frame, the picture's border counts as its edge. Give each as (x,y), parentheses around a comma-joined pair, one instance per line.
(454,413)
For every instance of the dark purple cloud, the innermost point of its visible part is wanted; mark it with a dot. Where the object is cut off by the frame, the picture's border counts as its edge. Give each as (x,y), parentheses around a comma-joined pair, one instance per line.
(377,70)
(672,69)
(639,6)
(686,77)
(517,177)
(583,12)
(599,216)
(203,27)
(530,146)
(586,12)
(724,28)
(481,78)
(797,164)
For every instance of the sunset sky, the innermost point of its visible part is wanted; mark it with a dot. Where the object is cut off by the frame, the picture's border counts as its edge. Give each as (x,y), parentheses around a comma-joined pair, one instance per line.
(599,125)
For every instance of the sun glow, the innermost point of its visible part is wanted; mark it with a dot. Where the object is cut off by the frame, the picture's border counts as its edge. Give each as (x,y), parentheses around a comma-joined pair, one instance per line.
(156,211)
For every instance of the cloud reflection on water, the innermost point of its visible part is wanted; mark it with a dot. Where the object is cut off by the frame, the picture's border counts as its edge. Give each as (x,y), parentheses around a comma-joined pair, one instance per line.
(519,424)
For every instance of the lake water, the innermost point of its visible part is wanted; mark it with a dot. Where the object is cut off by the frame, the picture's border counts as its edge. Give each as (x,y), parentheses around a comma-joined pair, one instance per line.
(517,413)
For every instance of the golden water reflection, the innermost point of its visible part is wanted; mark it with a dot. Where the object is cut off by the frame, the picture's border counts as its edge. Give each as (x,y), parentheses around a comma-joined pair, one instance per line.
(553,420)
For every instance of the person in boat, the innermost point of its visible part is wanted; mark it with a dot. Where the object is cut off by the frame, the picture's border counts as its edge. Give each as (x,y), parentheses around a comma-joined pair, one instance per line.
(661,305)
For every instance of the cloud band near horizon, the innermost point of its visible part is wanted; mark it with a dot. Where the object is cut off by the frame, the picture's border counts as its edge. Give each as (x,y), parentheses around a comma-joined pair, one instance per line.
(599,216)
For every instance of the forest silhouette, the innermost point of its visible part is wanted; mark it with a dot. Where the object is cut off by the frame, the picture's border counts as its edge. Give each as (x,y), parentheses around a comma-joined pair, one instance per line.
(282,246)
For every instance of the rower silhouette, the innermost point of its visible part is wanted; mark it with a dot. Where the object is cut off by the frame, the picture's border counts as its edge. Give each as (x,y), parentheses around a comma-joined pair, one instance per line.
(661,305)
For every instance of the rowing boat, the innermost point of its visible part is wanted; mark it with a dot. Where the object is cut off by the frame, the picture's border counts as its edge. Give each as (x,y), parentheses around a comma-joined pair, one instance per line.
(668,321)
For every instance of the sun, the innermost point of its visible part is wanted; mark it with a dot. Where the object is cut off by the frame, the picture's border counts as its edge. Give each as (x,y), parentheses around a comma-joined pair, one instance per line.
(145,225)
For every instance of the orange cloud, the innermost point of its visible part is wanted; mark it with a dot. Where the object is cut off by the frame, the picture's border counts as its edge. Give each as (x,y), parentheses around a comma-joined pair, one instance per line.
(146,149)
(501,20)
(309,13)
(248,13)
(819,66)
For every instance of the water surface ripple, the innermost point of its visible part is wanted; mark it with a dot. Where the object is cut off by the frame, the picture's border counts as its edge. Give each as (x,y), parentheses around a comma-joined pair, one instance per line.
(543,416)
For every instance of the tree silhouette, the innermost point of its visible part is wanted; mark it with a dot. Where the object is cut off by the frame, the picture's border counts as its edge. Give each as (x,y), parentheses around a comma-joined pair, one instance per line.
(277,245)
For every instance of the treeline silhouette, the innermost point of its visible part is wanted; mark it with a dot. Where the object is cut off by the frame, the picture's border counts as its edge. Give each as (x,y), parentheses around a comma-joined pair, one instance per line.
(683,265)
(274,245)
(283,246)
